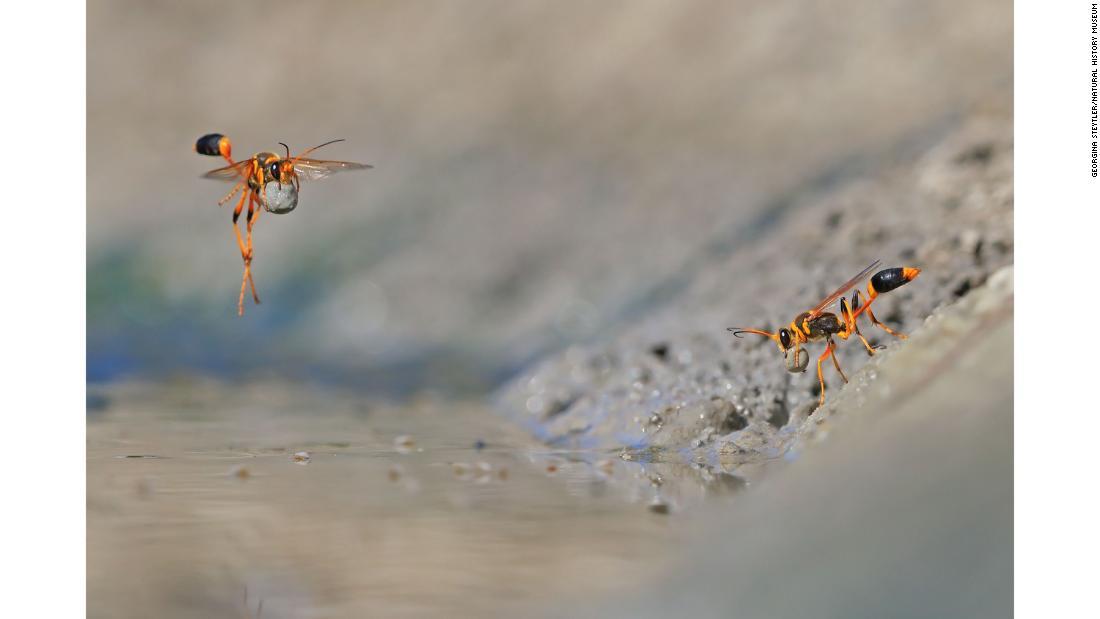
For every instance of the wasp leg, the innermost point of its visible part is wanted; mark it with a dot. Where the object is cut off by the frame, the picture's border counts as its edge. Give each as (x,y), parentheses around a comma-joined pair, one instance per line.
(832,353)
(871,315)
(229,196)
(237,229)
(866,344)
(821,375)
(252,218)
(850,324)
(246,282)
(246,253)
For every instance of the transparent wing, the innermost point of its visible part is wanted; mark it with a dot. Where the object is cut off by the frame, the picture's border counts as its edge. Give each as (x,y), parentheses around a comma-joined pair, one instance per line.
(839,292)
(316,169)
(233,172)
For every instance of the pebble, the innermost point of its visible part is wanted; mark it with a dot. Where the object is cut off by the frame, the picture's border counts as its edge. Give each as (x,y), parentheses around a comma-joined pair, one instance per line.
(404,444)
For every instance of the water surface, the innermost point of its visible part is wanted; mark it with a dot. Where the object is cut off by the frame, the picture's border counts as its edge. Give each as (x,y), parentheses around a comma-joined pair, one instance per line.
(196,498)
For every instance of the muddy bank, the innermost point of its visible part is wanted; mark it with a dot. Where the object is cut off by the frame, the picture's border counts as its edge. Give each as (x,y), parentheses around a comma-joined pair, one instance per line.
(676,380)
(899,504)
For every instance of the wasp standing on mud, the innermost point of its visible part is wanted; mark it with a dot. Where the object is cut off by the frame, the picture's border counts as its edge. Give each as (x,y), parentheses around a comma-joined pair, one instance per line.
(818,324)
(268,180)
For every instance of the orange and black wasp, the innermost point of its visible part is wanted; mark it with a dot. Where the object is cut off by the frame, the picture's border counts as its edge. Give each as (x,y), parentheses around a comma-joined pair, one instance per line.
(268,180)
(818,324)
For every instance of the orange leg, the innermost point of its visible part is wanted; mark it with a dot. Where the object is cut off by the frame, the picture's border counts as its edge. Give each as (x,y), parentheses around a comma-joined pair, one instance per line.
(252,218)
(246,254)
(836,364)
(830,351)
(849,318)
(875,321)
(866,344)
(821,376)
(229,196)
(246,281)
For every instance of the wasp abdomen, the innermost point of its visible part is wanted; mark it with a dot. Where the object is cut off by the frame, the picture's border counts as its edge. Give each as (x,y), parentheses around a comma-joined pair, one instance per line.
(890,279)
(213,144)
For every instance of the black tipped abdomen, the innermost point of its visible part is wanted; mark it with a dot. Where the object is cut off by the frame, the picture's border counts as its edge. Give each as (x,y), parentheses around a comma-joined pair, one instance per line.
(889,279)
(209,144)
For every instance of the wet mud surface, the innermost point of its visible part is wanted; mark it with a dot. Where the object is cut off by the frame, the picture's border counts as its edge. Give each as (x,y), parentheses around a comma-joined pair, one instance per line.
(318,506)
(677,381)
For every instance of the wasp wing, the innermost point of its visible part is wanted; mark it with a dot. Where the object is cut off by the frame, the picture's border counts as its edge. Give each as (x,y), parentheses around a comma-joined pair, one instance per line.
(839,292)
(316,169)
(234,172)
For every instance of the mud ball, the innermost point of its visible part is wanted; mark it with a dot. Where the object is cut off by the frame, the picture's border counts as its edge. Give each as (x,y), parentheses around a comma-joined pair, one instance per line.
(797,363)
(280,199)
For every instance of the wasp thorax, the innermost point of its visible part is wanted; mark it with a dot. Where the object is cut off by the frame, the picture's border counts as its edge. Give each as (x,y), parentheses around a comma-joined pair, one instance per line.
(280,198)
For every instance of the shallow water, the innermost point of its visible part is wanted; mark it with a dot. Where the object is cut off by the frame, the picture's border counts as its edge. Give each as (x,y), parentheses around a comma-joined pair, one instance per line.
(196,499)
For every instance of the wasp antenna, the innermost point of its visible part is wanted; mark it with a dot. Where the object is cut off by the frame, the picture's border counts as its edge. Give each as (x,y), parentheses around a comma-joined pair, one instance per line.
(737,331)
(310,150)
(327,143)
(287,149)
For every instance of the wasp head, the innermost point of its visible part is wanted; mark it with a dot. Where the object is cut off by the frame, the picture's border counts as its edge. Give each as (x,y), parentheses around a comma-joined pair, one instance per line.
(279,169)
(784,340)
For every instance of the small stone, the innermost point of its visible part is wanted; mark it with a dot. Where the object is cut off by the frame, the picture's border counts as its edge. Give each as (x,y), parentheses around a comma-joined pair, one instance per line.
(607,467)
(970,241)
(660,351)
(659,507)
(404,444)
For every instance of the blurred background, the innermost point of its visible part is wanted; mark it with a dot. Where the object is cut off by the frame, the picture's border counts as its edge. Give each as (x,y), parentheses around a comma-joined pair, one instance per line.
(544,171)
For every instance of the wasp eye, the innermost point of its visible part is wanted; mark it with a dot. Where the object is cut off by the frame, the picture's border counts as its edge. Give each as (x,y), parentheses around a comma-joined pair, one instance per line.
(273,170)
(785,338)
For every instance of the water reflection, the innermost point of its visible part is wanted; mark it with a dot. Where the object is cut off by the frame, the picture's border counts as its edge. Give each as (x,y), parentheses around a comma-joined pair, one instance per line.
(320,506)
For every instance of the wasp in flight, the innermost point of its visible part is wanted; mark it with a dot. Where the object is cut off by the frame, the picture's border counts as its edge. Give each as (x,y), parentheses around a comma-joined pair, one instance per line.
(265,180)
(818,324)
